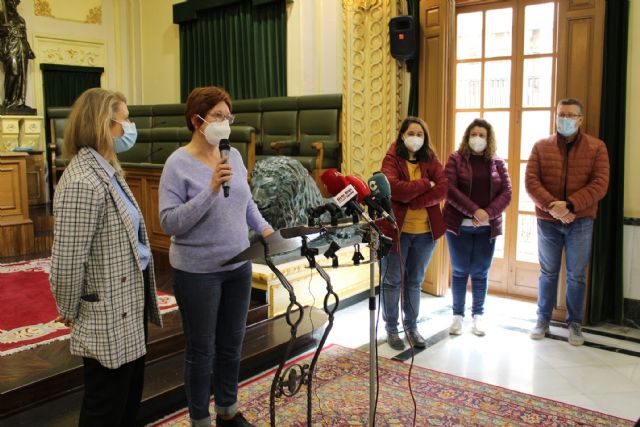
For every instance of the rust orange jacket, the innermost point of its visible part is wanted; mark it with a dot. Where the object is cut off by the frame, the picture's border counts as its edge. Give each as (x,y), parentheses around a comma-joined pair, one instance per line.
(579,175)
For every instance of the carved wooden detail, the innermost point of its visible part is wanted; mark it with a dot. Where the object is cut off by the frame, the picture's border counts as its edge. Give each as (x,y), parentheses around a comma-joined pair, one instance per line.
(372,85)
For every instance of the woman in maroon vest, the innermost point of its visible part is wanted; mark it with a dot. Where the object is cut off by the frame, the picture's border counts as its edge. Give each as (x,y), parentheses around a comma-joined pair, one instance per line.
(479,191)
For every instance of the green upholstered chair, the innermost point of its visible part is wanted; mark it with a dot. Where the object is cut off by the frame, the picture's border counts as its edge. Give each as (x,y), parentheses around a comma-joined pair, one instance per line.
(243,139)
(141,115)
(319,128)
(168,115)
(279,127)
(58,119)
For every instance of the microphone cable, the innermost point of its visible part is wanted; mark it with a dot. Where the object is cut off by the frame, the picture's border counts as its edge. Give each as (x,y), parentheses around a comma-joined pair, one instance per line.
(404,328)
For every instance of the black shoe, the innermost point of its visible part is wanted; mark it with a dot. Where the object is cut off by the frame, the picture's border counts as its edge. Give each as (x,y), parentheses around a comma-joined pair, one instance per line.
(416,339)
(238,420)
(394,341)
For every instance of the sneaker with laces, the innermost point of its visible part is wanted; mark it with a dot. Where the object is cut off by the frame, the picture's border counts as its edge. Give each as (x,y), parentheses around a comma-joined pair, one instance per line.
(478,328)
(238,420)
(394,341)
(575,334)
(456,325)
(539,331)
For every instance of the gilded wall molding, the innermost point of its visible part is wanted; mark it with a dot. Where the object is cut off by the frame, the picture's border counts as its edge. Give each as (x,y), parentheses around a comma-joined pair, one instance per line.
(93,13)
(50,49)
(71,56)
(372,85)
(42,8)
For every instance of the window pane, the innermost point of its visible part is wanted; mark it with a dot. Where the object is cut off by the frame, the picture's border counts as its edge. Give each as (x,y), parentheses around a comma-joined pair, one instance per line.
(500,122)
(468,85)
(536,82)
(497,84)
(535,126)
(498,33)
(538,28)
(462,121)
(469,35)
(527,244)
(524,203)
(499,251)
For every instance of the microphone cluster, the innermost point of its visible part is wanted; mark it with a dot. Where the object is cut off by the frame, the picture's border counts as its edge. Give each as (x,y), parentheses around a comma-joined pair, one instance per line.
(350,192)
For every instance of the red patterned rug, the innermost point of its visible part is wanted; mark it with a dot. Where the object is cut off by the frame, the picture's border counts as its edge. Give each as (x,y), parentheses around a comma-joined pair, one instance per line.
(28,308)
(341,398)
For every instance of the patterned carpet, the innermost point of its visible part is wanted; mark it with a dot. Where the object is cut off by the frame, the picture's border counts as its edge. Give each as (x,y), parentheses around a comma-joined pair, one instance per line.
(29,310)
(341,398)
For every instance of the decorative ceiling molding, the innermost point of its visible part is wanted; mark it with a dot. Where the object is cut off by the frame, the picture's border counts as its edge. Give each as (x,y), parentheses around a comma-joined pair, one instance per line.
(90,12)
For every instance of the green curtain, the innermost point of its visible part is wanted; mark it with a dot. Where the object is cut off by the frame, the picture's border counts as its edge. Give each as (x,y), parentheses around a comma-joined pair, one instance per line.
(62,84)
(607,298)
(413,66)
(240,47)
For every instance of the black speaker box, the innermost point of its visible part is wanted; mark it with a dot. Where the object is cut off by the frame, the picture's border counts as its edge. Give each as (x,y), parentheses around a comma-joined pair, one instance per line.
(404,37)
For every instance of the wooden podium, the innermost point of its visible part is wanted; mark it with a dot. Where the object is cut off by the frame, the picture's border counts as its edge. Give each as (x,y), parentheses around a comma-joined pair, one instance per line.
(16,229)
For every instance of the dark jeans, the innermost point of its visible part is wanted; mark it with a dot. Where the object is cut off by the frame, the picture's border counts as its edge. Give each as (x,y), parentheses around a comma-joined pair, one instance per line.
(416,251)
(214,310)
(575,238)
(471,253)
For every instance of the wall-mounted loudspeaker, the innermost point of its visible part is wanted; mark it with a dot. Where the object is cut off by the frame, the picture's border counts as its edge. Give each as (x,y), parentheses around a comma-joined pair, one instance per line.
(404,37)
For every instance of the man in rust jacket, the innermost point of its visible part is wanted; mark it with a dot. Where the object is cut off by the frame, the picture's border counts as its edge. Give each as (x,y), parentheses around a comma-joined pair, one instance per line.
(567,175)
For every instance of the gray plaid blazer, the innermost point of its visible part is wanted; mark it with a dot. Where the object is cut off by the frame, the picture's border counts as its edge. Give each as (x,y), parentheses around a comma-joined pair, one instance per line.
(96,277)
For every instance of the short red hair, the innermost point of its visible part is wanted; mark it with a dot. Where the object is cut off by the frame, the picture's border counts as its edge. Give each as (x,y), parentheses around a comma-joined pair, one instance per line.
(203,99)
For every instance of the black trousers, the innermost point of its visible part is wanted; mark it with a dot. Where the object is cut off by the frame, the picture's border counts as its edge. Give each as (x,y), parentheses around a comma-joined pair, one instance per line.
(112,396)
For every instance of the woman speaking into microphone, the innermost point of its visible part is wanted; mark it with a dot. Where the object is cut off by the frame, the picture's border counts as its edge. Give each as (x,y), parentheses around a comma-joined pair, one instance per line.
(207,229)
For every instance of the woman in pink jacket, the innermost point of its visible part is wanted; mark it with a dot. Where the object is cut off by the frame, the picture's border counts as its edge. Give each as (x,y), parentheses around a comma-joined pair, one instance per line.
(479,191)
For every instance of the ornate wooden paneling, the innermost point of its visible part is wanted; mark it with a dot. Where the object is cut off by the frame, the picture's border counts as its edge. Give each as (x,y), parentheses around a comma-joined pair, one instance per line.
(580,53)
(436,44)
(372,85)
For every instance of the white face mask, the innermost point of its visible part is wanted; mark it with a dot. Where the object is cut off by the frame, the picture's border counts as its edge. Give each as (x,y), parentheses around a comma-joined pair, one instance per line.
(216,131)
(477,144)
(413,143)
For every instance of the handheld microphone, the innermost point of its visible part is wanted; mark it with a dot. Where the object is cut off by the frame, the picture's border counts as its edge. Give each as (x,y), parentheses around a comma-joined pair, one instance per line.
(225,149)
(381,192)
(365,195)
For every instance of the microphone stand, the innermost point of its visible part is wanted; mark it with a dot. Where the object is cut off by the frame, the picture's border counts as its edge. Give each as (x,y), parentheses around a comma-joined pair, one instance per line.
(374,244)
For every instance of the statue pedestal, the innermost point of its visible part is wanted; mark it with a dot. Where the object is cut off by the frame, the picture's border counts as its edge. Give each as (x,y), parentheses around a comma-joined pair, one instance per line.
(21,131)
(310,289)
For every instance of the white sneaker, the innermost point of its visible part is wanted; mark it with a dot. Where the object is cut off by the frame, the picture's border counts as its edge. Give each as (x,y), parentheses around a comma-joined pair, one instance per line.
(477,329)
(456,325)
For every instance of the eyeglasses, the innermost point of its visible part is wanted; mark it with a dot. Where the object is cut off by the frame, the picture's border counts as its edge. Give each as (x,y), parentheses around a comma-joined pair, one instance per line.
(568,116)
(220,117)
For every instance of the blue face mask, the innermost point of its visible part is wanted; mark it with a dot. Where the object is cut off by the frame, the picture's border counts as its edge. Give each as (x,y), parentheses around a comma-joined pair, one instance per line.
(566,126)
(128,139)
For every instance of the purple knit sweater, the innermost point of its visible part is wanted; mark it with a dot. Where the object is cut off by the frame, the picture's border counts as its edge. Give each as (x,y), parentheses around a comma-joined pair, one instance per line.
(206,229)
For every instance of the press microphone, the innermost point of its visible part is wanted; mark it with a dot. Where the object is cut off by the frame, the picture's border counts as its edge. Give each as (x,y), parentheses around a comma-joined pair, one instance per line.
(333,181)
(225,149)
(381,192)
(365,196)
(344,193)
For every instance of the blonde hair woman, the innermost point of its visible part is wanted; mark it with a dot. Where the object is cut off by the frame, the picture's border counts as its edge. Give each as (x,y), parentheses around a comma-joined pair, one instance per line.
(101,265)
